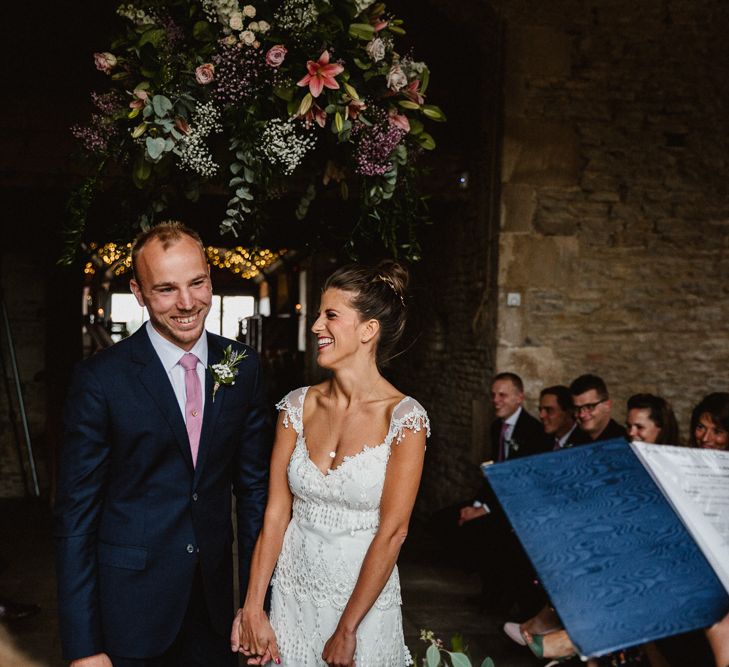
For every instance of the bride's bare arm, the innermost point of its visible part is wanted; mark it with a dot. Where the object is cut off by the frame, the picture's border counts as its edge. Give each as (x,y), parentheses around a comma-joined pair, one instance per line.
(251,633)
(398,497)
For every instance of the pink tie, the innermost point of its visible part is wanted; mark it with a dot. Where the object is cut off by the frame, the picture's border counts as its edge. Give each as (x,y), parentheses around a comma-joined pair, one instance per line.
(193,403)
(502,441)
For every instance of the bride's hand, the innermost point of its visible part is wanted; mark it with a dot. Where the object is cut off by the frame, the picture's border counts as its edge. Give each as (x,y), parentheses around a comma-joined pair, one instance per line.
(339,650)
(253,636)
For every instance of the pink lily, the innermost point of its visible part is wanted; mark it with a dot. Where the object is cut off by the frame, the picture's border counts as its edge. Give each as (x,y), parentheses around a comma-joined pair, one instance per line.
(321,75)
(399,120)
(411,92)
(352,110)
(315,114)
(377,23)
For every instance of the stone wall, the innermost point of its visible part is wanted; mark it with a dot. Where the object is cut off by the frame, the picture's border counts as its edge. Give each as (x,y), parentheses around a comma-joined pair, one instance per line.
(614,207)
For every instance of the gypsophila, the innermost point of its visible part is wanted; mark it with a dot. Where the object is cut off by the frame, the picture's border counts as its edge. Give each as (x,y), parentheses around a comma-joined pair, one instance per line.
(192,152)
(221,11)
(296,15)
(226,370)
(285,143)
(138,16)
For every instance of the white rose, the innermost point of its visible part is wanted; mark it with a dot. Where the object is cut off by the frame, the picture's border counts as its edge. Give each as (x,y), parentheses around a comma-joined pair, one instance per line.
(376,49)
(253,26)
(247,37)
(249,11)
(236,21)
(396,79)
(263,26)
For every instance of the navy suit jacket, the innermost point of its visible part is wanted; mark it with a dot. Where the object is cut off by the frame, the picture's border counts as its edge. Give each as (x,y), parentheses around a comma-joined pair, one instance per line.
(133,517)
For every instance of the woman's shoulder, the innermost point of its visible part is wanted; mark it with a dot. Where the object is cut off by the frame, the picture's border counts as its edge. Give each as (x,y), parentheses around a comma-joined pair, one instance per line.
(409,414)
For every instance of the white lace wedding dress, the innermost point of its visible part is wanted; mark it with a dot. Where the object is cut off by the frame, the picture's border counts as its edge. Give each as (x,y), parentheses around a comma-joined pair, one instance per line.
(335,517)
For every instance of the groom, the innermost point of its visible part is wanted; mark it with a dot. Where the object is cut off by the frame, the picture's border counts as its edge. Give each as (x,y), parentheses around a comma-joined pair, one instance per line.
(150,454)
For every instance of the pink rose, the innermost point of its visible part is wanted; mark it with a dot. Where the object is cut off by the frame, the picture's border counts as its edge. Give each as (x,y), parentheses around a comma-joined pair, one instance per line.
(276,55)
(396,79)
(205,73)
(105,61)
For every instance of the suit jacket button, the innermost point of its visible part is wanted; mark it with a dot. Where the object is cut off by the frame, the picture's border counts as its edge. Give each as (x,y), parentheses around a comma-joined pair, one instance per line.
(190,549)
(194,496)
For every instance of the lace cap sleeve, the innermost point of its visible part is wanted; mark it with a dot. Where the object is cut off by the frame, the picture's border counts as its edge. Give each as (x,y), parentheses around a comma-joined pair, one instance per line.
(408,414)
(292,405)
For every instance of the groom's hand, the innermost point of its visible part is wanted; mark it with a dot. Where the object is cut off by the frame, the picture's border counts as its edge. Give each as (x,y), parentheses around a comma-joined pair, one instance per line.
(98,660)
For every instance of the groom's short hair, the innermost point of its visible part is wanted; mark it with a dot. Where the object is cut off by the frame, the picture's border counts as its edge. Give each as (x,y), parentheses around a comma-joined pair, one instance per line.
(167,233)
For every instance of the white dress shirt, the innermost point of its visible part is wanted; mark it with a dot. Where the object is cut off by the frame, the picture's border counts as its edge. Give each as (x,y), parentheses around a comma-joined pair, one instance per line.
(170,355)
(559,443)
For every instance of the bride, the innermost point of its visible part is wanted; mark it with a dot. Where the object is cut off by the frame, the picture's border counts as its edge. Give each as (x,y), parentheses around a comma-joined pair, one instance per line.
(345,471)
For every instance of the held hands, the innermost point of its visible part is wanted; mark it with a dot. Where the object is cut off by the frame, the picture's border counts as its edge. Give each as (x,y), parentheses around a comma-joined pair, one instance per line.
(98,660)
(253,636)
(339,650)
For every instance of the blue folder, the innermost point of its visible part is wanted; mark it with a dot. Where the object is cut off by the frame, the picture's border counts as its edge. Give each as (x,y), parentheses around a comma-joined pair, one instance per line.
(617,563)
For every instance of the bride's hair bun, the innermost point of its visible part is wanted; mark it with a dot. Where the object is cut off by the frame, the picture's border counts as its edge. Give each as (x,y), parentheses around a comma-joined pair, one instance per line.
(378,293)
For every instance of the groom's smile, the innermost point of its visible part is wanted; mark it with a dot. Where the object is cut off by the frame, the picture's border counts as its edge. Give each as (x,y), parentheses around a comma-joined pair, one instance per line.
(173,283)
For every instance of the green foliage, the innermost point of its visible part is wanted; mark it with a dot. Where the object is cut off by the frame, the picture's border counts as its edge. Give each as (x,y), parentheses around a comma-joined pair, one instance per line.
(194,87)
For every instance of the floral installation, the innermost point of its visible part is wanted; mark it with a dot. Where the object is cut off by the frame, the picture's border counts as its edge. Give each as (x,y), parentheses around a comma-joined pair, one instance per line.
(437,655)
(264,100)
(225,371)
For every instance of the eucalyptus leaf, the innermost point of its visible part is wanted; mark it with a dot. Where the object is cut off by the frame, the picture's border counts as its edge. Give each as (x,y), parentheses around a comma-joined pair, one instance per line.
(249,175)
(432,656)
(161,105)
(488,662)
(155,147)
(459,660)
(236,167)
(236,181)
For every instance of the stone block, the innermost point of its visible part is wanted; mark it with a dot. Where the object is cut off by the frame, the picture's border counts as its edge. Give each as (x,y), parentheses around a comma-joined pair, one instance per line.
(518,205)
(541,152)
(536,261)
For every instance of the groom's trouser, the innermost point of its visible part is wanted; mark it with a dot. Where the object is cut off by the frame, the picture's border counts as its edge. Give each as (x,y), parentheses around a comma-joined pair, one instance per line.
(196,645)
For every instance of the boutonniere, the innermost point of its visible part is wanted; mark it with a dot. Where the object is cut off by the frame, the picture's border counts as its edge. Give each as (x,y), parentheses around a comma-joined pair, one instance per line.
(513,445)
(226,369)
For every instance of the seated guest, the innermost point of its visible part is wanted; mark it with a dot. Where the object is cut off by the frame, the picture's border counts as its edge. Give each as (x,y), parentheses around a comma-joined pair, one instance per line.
(593,409)
(651,419)
(482,527)
(710,422)
(514,432)
(557,414)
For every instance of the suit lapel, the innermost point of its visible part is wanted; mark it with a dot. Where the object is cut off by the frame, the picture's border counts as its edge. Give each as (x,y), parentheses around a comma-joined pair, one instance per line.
(212,407)
(155,380)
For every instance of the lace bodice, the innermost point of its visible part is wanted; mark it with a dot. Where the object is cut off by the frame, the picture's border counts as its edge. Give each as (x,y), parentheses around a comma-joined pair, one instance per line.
(346,498)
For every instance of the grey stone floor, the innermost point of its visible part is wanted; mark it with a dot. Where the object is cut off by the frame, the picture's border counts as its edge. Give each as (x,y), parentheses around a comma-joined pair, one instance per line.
(434,597)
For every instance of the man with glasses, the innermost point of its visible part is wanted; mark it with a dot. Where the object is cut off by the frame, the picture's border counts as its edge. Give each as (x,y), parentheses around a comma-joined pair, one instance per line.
(593,409)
